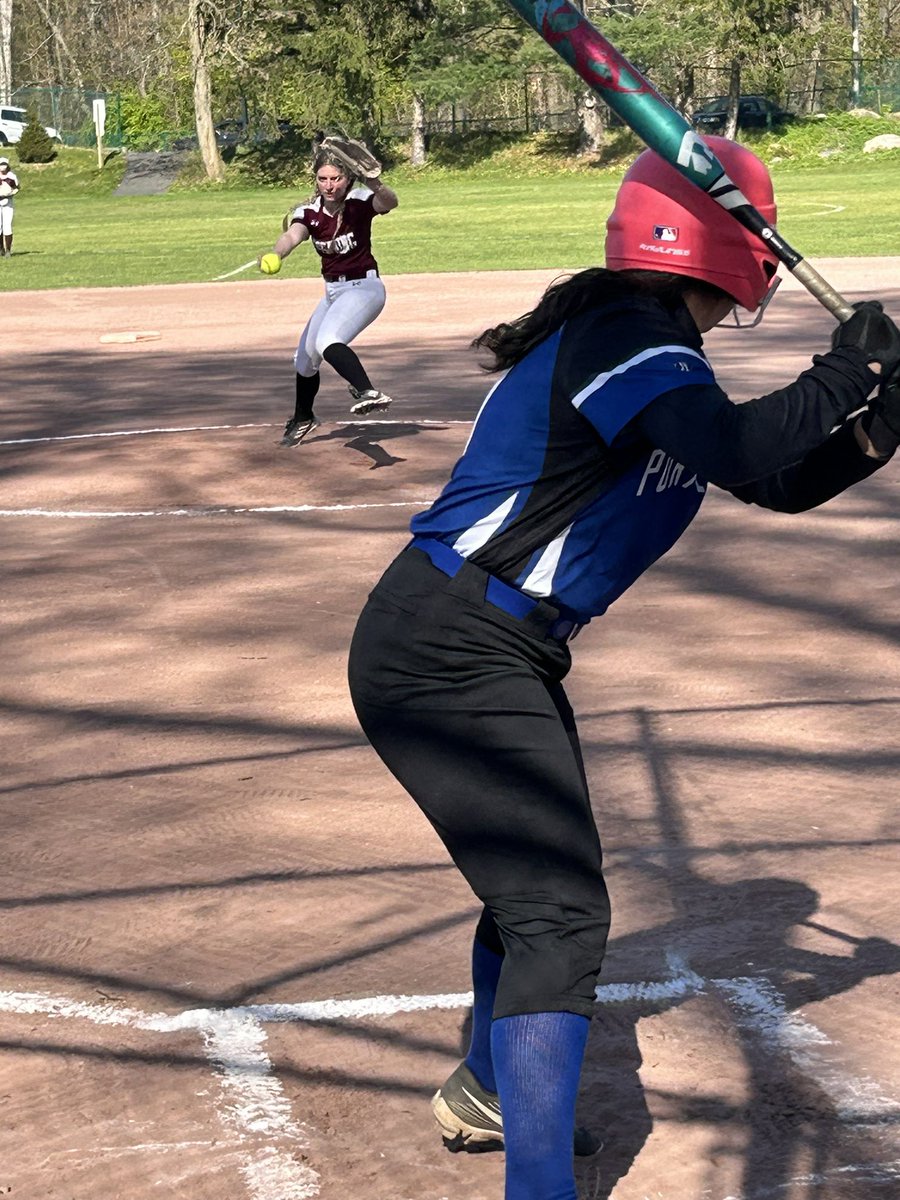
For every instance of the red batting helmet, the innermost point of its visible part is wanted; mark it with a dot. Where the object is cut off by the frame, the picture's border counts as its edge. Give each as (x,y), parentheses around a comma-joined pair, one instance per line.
(663,222)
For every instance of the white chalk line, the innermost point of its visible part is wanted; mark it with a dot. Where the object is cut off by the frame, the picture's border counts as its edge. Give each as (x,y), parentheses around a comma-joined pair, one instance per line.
(63,514)
(83,437)
(253,1102)
(142,1148)
(856,1172)
(879,529)
(761,1008)
(253,1108)
(824,209)
(119,433)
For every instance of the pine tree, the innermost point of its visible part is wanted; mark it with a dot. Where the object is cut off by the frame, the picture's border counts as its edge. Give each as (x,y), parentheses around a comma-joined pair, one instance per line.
(35,145)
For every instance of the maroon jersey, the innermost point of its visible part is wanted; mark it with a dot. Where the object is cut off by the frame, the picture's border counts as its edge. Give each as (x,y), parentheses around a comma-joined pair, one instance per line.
(342,240)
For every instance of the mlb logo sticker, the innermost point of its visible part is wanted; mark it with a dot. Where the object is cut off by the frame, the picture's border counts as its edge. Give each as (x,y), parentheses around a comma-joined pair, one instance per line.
(665,233)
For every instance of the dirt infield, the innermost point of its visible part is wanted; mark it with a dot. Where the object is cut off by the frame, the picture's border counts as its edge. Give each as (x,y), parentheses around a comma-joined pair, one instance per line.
(234,956)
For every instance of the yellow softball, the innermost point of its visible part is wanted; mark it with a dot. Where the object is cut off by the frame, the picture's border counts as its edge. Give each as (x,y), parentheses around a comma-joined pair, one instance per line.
(270,264)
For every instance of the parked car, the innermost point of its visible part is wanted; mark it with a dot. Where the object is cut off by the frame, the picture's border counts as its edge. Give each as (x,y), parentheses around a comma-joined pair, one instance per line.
(287,129)
(12,124)
(754,112)
(230,133)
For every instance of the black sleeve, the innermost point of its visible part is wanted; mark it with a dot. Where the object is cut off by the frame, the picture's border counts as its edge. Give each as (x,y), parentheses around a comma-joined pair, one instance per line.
(735,444)
(825,472)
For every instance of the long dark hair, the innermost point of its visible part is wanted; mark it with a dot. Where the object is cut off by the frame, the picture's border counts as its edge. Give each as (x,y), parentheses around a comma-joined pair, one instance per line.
(569,295)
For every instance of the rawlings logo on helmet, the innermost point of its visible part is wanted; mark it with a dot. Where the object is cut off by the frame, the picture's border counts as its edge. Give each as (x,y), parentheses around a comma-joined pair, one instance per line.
(676,251)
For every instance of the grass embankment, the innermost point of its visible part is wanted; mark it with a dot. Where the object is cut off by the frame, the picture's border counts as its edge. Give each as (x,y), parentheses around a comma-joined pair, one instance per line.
(524,204)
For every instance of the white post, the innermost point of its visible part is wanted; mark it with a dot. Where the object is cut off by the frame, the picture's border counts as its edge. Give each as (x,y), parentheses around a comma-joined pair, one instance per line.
(99,112)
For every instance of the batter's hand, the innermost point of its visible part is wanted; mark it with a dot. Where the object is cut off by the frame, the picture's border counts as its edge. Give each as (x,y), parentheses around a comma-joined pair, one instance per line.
(873,332)
(886,404)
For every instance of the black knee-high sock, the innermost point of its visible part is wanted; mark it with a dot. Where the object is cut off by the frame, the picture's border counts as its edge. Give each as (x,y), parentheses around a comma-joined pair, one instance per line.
(347,365)
(307,386)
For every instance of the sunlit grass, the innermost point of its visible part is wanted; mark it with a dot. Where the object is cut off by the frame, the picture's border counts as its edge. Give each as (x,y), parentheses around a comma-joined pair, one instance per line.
(71,235)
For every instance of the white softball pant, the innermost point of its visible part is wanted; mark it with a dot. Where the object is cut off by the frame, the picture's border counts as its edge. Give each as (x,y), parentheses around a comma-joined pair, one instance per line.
(6,219)
(341,315)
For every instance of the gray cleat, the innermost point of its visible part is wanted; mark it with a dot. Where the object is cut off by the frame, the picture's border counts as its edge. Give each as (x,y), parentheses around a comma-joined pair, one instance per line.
(297,429)
(369,401)
(469,1117)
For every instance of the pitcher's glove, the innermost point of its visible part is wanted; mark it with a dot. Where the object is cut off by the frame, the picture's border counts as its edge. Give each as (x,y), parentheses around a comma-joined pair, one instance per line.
(356,158)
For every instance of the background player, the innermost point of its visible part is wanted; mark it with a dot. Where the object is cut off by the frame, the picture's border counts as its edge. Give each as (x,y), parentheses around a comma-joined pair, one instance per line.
(588,460)
(338,219)
(9,186)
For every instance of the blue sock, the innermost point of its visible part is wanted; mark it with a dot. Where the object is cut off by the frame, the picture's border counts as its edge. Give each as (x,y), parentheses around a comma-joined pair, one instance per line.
(485,973)
(537,1059)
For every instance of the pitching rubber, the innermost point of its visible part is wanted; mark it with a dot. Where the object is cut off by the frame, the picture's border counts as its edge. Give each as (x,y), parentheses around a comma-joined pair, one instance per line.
(131,335)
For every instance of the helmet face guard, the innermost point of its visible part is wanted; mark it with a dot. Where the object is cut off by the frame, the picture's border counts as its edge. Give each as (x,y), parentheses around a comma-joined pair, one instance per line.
(663,222)
(739,322)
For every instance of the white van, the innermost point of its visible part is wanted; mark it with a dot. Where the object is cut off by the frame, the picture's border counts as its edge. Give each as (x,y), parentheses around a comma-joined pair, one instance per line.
(12,123)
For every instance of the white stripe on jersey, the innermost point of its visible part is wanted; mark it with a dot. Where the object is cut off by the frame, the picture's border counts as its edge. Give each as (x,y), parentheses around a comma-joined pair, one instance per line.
(540,579)
(476,535)
(599,380)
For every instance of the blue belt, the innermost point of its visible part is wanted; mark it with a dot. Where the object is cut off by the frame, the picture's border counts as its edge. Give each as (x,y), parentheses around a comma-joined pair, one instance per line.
(496,592)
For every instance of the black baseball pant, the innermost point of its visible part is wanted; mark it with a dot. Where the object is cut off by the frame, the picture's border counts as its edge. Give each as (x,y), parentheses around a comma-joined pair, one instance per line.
(464,704)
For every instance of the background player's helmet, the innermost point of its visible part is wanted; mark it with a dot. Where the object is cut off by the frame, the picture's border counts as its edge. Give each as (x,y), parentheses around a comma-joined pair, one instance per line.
(663,222)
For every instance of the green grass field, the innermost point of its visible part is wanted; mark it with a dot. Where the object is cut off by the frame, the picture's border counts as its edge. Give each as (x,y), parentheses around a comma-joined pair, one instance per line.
(85,237)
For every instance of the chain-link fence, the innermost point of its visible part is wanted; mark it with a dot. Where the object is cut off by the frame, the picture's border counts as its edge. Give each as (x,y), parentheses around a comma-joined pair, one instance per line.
(546,100)
(540,100)
(880,88)
(70,112)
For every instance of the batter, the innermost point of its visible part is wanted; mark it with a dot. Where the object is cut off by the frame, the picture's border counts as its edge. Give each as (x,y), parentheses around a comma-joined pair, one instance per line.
(589,458)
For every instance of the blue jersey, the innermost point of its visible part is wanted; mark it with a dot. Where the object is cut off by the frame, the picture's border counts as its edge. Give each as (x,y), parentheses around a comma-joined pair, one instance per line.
(556,491)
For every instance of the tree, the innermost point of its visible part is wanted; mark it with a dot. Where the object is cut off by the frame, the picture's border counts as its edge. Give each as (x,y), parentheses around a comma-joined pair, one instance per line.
(591,125)
(466,48)
(5,50)
(35,146)
(363,64)
(205,37)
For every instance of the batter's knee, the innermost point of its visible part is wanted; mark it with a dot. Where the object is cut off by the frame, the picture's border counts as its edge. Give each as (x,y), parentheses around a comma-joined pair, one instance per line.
(554,951)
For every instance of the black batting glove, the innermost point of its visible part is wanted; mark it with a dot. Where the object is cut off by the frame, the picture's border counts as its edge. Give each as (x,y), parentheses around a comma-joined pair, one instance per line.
(886,404)
(872,332)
